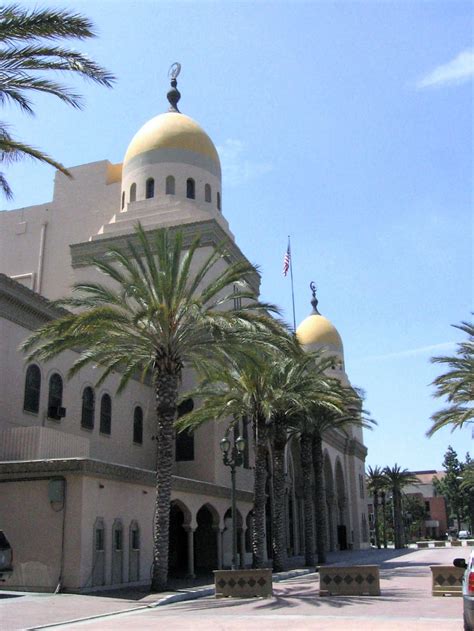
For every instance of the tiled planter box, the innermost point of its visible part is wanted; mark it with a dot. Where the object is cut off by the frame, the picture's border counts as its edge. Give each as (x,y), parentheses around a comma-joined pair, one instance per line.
(243,583)
(446,580)
(470,542)
(353,580)
(440,544)
(456,542)
(422,544)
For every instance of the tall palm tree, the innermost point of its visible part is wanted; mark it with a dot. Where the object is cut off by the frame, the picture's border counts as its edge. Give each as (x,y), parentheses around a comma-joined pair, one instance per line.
(397,479)
(164,312)
(27,50)
(241,389)
(457,385)
(376,482)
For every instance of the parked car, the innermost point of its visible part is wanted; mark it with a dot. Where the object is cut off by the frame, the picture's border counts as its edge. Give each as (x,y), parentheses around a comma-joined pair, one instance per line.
(467,590)
(6,557)
(464,534)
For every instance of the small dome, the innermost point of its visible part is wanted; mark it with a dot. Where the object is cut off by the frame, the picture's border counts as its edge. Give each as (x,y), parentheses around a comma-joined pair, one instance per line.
(172,137)
(318,331)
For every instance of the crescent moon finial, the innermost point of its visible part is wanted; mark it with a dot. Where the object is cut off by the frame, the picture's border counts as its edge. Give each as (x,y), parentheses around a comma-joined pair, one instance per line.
(174,94)
(314,300)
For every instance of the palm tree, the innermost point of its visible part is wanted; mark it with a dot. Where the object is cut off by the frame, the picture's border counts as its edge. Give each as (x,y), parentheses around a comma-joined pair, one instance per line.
(397,479)
(323,421)
(239,390)
(457,385)
(376,483)
(26,37)
(163,313)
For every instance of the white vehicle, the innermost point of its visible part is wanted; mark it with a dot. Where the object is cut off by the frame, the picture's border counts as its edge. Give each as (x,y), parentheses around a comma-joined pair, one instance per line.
(464,534)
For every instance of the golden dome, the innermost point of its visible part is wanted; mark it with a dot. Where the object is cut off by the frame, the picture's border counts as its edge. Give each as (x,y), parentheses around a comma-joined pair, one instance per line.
(172,131)
(318,330)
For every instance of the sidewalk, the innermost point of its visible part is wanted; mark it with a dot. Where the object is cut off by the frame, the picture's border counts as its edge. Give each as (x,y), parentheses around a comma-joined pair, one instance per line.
(406,582)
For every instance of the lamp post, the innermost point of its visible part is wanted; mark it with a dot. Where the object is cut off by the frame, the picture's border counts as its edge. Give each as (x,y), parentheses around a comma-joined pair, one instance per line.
(233,457)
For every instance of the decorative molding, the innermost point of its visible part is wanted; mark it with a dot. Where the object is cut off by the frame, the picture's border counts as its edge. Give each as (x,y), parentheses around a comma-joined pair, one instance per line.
(36,469)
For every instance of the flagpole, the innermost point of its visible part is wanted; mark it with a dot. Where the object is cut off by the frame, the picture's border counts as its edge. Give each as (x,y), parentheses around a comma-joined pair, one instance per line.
(292,285)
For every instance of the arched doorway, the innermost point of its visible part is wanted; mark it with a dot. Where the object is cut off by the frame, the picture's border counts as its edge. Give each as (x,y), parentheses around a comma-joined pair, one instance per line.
(178,542)
(205,540)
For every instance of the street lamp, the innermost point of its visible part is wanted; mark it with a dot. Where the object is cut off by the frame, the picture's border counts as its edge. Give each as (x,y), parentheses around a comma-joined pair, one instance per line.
(233,458)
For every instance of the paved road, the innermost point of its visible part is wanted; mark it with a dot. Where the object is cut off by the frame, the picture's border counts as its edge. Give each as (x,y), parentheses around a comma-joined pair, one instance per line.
(405,604)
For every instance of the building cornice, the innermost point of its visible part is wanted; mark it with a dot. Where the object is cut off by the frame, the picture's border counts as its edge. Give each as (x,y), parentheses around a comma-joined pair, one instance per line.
(210,233)
(30,470)
(24,306)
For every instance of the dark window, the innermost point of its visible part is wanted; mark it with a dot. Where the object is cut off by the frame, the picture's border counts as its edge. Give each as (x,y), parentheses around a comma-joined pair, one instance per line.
(150,188)
(105,414)
(88,404)
(123,200)
(190,188)
(170,185)
(218,200)
(99,539)
(138,425)
(237,299)
(133,193)
(207,193)
(118,538)
(185,439)
(55,396)
(32,389)
(135,538)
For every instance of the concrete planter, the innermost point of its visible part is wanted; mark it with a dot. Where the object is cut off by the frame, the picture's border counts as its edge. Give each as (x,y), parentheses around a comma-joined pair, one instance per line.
(456,542)
(440,544)
(470,542)
(354,580)
(243,583)
(446,580)
(422,544)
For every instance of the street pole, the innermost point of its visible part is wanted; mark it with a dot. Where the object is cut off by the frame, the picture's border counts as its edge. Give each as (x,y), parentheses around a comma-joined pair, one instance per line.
(235,459)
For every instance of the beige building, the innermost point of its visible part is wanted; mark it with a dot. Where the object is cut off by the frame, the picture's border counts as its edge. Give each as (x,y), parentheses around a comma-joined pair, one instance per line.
(76,460)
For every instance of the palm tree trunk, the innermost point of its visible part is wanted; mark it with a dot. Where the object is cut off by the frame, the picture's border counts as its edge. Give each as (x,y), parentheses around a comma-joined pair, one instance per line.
(258,532)
(278,525)
(166,393)
(376,519)
(320,498)
(306,467)
(397,518)
(384,519)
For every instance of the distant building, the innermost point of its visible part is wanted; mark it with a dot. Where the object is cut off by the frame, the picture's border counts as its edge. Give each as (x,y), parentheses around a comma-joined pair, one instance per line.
(436,521)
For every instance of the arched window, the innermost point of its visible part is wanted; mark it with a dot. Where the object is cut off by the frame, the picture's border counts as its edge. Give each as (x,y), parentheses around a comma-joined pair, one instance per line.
(123,200)
(133,193)
(55,397)
(207,193)
(88,405)
(170,188)
(138,425)
(218,200)
(150,188)
(105,414)
(185,439)
(31,400)
(190,188)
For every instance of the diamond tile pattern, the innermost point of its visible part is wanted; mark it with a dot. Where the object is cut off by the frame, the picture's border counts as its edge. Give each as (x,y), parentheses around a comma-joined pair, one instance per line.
(243,583)
(351,580)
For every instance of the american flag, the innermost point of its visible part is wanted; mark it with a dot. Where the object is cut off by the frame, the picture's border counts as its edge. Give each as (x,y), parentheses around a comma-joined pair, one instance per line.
(286,260)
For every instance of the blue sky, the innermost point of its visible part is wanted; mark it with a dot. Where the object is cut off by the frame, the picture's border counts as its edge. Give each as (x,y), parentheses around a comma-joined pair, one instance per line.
(345,125)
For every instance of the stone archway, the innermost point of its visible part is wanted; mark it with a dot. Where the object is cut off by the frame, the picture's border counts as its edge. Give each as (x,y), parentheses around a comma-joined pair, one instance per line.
(330,502)
(206,553)
(180,518)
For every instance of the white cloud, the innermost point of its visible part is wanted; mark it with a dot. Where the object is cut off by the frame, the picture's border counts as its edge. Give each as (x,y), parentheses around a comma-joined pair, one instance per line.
(413,352)
(236,167)
(458,70)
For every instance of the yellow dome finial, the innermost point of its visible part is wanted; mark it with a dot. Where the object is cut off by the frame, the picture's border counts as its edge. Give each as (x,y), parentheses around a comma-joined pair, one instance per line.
(314,301)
